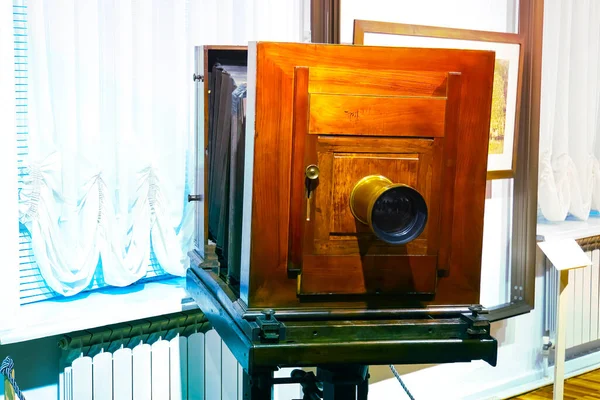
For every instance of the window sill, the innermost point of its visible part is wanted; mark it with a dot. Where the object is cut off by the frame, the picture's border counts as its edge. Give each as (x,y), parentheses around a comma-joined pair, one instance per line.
(96,309)
(569,229)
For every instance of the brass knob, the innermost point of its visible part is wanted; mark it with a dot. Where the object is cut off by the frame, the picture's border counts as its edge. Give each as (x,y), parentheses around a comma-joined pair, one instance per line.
(396,213)
(312,172)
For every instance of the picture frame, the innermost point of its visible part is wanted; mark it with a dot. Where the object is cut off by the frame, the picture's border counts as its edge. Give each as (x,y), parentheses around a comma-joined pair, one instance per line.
(506,102)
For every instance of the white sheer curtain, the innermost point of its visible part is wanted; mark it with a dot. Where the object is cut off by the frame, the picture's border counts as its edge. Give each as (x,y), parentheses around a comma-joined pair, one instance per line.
(111,155)
(569,175)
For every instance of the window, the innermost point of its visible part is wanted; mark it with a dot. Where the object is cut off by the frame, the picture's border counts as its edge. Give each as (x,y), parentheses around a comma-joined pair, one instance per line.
(53,195)
(569,190)
(105,106)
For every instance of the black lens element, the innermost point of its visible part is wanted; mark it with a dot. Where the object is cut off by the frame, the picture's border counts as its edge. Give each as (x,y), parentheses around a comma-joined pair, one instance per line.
(399,215)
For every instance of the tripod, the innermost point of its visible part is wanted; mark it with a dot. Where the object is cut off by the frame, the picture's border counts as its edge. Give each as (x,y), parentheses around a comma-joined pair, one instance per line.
(346,382)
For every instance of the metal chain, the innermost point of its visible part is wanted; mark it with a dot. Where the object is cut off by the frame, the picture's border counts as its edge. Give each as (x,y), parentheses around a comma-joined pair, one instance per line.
(397,375)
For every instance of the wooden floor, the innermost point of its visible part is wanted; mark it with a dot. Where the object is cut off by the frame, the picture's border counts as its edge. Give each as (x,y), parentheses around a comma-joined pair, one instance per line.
(585,386)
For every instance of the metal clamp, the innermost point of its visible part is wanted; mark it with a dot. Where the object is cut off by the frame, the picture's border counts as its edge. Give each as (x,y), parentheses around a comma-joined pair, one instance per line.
(478,309)
(198,77)
(195,197)
(479,326)
(271,330)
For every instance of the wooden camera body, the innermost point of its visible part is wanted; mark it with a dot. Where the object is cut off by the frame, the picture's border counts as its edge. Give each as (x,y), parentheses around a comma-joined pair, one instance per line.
(344,191)
(359,181)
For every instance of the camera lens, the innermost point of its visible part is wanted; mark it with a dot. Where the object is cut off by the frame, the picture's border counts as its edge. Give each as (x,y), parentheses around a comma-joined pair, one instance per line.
(399,215)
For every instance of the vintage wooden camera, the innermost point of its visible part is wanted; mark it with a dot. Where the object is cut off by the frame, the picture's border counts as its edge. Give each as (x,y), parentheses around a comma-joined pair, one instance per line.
(343,183)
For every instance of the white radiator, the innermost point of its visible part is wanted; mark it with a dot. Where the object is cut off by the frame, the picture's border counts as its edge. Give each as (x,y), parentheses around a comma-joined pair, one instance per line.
(197,367)
(583,325)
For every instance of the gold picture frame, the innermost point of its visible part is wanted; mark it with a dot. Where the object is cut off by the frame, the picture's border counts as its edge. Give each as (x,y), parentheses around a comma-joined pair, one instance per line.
(506,102)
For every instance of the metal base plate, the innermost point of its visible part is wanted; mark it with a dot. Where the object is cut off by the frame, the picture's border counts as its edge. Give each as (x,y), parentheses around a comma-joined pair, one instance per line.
(415,340)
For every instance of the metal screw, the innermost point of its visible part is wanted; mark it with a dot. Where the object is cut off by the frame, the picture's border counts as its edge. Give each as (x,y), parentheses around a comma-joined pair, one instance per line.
(268,313)
(478,309)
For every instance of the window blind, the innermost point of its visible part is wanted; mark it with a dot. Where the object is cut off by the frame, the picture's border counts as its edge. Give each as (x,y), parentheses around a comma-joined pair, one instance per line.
(32,287)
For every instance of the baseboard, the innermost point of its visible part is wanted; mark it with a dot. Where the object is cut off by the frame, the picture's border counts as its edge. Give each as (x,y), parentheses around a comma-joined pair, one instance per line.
(536,379)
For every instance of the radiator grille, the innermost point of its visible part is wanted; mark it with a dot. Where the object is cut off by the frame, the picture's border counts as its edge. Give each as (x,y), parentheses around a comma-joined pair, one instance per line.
(173,358)
(583,322)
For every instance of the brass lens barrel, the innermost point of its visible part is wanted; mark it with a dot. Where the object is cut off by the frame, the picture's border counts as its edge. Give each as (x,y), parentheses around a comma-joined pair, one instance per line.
(396,213)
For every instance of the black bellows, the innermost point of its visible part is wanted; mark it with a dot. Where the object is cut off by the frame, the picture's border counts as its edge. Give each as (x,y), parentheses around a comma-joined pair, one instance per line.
(226,133)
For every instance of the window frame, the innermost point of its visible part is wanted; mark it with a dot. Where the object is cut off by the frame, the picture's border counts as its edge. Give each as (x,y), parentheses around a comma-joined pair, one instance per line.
(524,240)
(325,21)
(22,321)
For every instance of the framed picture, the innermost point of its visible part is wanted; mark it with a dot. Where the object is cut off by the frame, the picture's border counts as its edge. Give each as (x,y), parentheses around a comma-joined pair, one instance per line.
(504,124)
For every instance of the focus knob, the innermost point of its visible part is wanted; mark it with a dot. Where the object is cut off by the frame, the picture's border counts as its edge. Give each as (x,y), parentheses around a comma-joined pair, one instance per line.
(312,172)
